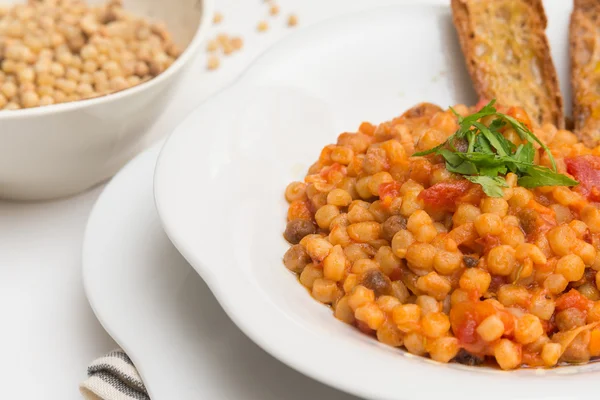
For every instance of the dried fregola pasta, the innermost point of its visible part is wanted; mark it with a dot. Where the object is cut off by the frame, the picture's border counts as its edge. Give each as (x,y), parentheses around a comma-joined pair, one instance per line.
(56,51)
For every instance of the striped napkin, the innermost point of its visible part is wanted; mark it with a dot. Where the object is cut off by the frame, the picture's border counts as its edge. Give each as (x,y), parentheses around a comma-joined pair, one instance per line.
(113,377)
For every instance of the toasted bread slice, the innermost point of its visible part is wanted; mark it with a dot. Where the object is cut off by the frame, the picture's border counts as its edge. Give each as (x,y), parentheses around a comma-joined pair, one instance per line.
(584,39)
(508,55)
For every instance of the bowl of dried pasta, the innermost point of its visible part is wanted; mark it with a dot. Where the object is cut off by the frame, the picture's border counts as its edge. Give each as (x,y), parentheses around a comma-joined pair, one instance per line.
(81,83)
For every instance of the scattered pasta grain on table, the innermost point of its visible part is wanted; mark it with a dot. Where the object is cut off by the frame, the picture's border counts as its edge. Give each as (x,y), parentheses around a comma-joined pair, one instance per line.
(225,44)
(217,18)
(228,45)
(292,20)
(213,62)
(465,235)
(262,26)
(56,51)
(274,9)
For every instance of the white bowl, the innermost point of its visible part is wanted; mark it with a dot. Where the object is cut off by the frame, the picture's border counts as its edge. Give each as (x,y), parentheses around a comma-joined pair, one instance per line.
(59,150)
(221,176)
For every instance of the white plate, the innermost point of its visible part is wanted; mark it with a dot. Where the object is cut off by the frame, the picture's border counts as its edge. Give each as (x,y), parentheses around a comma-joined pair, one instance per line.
(220,180)
(161,312)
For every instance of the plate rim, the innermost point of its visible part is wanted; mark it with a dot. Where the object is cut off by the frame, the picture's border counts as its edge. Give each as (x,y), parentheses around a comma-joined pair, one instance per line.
(86,279)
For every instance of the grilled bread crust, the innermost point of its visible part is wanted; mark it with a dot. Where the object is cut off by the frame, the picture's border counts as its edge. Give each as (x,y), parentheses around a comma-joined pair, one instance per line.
(508,55)
(584,40)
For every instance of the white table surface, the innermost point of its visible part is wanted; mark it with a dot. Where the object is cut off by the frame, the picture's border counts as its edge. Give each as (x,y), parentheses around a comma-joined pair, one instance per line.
(49,333)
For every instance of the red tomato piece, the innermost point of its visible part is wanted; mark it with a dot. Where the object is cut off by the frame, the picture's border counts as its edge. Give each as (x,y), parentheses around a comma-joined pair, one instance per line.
(466,333)
(388,192)
(473,196)
(464,318)
(586,169)
(445,195)
(572,299)
(488,242)
(509,322)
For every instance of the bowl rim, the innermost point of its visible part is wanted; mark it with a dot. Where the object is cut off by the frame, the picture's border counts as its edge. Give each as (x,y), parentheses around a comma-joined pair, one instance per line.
(186,56)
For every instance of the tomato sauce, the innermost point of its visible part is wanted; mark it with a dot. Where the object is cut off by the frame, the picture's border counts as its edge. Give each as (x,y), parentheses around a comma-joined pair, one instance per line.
(586,170)
(572,299)
(488,242)
(445,195)
(465,318)
(388,192)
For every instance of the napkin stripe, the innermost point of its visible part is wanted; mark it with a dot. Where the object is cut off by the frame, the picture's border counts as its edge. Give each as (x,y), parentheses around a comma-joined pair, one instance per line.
(120,354)
(103,388)
(113,377)
(121,386)
(118,363)
(124,372)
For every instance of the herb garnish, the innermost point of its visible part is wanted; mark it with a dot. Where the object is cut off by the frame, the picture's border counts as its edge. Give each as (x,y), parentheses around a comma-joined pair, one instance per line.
(483,155)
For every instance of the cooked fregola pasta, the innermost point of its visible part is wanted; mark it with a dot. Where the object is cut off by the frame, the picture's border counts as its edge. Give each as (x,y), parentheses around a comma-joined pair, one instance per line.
(435,262)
